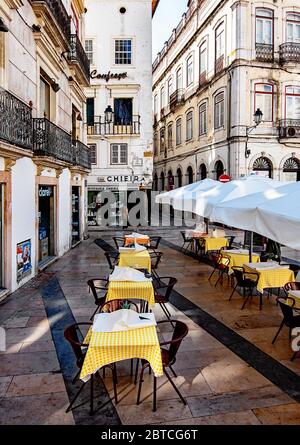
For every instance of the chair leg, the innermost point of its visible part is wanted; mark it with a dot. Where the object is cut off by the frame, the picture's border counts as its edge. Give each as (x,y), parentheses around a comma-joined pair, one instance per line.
(92,396)
(75,397)
(260,301)
(244,304)
(114,374)
(136,370)
(131,367)
(94,313)
(234,289)
(154,393)
(174,386)
(76,377)
(174,373)
(293,356)
(280,327)
(220,277)
(214,269)
(140,383)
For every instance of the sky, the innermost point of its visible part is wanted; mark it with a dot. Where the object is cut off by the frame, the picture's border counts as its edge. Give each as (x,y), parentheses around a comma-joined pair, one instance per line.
(167,17)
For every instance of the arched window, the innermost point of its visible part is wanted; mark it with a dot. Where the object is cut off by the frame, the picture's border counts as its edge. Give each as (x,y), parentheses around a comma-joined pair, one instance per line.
(203,62)
(219,169)
(179,83)
(155,182)
(190,175)
(178,131)
(162,181)
(291,169)
(202,171)
(219,47)
(190,70)
(219,110)
(179,177)
(170,185)
(263,165)
(293,27)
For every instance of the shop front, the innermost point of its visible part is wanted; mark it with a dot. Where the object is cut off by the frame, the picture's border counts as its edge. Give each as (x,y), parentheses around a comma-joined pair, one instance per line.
(46,220)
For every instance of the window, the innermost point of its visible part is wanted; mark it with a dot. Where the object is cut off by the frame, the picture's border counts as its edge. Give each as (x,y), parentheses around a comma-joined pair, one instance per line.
(155,104)
(162,139)
(220,42)
(155,143)
(44,98)
(264,26)
(293,27)
(292,102)
(123,111)
(74,22)
(219,110)
(179,79)
(189,126)
(90,111)
(123,52)
(170,88)
(203,119)
(162,97)
(203,62)
(178,131)
(118,154)
(89,49)
(170,136)
(93,151)
(189,71)
(264,100)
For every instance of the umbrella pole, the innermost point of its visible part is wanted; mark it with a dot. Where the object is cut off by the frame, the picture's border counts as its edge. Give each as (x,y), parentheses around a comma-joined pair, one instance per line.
(250,247)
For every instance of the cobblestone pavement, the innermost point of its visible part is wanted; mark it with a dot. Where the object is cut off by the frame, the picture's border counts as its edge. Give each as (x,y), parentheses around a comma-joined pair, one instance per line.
(228,370)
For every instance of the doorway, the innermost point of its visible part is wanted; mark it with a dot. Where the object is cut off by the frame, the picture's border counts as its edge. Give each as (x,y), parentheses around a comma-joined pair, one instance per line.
(46,223)
(1,237)
(75,215)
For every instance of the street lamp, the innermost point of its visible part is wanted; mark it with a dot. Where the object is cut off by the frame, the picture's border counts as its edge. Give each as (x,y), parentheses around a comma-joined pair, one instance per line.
(257,118)
(3,27)
(108,114)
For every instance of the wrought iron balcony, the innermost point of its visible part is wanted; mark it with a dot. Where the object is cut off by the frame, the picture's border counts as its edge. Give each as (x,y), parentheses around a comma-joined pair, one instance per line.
(176,98)
(59,13)
(264,52)
(219,64)
(82,154)
(289,52)
(15,121)
(51,140)
(77,55)
(118,127)
(289,128)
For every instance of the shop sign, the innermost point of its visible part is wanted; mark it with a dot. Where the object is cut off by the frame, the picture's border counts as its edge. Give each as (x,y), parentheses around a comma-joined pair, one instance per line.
(24,265)
(94,75)
(45,192)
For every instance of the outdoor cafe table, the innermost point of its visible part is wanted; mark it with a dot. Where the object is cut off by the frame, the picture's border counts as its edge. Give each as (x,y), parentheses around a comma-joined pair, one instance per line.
(239,257)
(110,347)
(211,243)
(271,275)
(131,290)
(137,260)
(141,239)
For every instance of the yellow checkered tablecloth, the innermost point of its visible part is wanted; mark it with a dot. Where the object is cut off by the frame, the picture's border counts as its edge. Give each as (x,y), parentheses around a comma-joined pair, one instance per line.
(239,259)
(131,290)
(137,260)
(110,347)
(214,243)
(271,278)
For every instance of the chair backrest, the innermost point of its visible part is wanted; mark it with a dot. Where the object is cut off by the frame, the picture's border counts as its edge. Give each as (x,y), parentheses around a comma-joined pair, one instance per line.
(119,241)
(115,305)
(97,286)
(180,331)
(292,285)
(238,274)
(155,259)
(166,283)
(72,334)
(111,257)
(183,235)
(287,310)
(154,242)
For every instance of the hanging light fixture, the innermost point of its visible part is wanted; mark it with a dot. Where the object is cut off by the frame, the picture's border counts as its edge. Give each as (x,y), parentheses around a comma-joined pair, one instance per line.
(258,116)
(3,27)
(108,114)
(54,85)
(79,117)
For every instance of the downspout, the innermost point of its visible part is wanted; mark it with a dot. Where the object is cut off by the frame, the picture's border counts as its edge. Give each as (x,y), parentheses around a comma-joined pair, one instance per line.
(229,122)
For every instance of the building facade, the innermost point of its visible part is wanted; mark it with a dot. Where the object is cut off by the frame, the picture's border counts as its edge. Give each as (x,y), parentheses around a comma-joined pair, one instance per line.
(226,61)
(119,102)
(44,161)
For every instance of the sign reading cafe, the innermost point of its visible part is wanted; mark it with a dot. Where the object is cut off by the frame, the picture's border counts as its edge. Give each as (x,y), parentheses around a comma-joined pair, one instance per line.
(94,75)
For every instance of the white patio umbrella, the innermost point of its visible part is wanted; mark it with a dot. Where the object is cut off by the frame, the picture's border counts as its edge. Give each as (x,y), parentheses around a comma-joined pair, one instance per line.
(168,197)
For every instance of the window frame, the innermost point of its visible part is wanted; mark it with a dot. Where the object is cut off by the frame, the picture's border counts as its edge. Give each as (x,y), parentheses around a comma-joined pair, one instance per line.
(222,126)
(266,93)
(119,145)
(189,125)
(93,148)
(178,140)
(91,60)
(190,81)
(179,70)
(121,39)
(170,127)
(271,18)
(289,94)
(287,21)
(203,104)
(205,45)
(221,26)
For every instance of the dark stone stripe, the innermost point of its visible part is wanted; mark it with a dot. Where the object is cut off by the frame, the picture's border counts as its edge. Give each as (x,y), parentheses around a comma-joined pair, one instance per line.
(60,316)
(285,379)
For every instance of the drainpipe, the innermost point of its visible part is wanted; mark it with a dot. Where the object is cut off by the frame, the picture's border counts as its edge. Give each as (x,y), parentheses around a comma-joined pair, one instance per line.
(229,121)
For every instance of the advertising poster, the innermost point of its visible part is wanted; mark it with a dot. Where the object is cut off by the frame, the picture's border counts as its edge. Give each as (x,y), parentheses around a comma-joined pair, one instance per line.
(24,265)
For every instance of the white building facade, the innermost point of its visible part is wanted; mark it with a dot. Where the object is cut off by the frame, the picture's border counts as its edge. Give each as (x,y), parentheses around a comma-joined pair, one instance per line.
(44,161)
(225,60)
(119,101)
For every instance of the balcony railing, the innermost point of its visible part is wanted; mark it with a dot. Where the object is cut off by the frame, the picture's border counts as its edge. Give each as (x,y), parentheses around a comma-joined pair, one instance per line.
(82,154)
(60,14)
(15,121)
(264,52)
(51,140)
(118,127)
(219,64)
(289,52)
(289,128)
(78,55)
(176,98)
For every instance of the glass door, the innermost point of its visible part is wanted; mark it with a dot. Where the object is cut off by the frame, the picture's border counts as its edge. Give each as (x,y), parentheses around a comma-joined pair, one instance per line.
(75,214)
(46,223)
(1,237)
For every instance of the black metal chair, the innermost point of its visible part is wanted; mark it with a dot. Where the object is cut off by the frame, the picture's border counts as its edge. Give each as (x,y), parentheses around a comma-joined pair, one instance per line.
(155,257)
(168,359)
(243,281)
(186,241)
(220,264)
(162,290)
(119,241)
(289,319)
(154,242)
(73,334)
(112,258)
(99,288)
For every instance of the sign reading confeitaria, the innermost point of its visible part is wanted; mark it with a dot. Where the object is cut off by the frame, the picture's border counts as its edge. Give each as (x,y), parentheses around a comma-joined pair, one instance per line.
(95,75)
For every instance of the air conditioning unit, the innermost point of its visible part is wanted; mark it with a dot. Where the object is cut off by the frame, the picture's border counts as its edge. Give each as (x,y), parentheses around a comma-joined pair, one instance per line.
(291,132)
